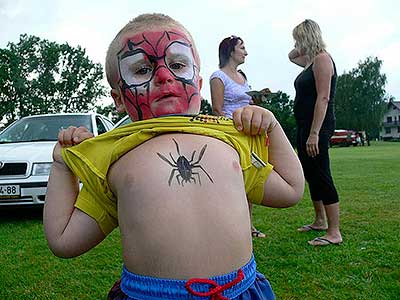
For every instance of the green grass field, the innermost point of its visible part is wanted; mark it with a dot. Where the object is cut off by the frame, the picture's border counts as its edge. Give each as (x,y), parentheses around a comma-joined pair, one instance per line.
(365,266)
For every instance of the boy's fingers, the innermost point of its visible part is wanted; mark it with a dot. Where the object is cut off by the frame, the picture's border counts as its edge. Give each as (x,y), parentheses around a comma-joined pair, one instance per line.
(81,134)
(237,119)
(65,136)
(265,124)
(246,117)
(73,135)
(69,134)
(256,122)
(61,136)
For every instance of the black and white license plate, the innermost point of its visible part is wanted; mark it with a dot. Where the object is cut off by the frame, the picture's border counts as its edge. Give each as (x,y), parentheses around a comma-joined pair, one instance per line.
(11,191)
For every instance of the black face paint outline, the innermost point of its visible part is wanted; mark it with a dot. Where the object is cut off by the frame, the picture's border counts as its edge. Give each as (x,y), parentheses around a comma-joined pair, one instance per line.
(185,167)
(153,59)
(133,89)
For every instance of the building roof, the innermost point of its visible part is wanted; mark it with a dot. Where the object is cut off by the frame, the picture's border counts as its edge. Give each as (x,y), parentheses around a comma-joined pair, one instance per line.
(395,103)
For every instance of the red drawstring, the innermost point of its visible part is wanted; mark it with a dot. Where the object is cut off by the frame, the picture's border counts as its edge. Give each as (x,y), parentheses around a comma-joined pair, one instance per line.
(267,140)
(216,291)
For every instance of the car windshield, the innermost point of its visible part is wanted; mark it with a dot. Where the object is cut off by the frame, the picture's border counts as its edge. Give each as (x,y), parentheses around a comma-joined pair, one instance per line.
(44,128)
(124,121)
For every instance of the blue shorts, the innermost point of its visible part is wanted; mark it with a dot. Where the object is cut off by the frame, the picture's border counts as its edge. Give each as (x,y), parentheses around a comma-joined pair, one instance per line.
(245,283)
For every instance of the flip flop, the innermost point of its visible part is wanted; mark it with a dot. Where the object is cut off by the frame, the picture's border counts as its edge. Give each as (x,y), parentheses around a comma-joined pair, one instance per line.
(319,241)
(307,228)
(258,234)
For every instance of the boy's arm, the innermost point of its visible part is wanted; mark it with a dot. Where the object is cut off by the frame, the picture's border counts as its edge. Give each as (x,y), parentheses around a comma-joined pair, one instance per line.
(68,230)
(285,185)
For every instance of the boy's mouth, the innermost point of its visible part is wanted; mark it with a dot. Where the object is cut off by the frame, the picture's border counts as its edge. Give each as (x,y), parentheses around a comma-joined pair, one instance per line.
(166,97)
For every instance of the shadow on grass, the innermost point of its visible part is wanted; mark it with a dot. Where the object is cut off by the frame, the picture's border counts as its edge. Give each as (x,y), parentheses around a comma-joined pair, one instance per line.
(15,214)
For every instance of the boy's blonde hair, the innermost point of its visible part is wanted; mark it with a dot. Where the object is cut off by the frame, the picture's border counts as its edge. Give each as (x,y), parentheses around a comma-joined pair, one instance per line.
(308,35)
(144,22)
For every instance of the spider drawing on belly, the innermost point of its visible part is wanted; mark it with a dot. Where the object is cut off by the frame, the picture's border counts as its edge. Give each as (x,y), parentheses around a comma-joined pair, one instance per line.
(185,167)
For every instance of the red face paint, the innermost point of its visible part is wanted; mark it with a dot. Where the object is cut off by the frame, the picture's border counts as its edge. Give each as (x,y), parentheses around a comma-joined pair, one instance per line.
(158,75)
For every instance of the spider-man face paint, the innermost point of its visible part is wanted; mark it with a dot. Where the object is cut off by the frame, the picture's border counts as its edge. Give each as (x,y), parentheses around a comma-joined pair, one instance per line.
(158,75)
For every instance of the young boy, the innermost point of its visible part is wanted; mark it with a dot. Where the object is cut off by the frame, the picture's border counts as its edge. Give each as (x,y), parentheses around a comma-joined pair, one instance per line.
(175,185)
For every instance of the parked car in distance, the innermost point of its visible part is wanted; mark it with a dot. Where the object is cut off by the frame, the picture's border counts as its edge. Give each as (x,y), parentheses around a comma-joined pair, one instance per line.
(343,137)
(124,121)
(26,149)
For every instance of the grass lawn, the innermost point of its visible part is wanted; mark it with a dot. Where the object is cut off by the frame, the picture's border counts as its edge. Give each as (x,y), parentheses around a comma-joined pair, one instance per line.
(365,266)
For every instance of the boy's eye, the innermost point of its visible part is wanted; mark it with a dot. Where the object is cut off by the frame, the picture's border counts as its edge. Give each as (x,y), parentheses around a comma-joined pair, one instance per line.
(177,66)
(136,69)
(180,61)
(142,70)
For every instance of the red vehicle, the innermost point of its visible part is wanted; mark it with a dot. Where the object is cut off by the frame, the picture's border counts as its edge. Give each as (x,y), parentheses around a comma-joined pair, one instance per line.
(343,137)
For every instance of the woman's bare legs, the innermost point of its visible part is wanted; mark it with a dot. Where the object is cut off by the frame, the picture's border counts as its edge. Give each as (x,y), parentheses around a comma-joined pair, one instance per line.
(254,231)
(333,235)
(320,218)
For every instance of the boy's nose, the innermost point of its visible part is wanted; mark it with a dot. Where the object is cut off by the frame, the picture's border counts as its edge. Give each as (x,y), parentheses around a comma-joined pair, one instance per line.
(162,76)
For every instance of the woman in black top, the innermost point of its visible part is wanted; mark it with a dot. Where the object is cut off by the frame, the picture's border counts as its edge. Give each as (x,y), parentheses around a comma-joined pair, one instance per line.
(313,110)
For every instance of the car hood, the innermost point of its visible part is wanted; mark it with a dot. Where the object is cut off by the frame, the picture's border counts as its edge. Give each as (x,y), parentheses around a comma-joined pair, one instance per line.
(32,151)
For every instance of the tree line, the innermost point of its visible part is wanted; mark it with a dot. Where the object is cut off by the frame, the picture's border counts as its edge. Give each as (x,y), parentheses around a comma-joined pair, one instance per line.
(39,76)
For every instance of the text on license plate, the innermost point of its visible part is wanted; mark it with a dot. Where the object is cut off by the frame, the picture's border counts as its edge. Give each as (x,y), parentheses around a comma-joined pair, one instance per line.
(9,190)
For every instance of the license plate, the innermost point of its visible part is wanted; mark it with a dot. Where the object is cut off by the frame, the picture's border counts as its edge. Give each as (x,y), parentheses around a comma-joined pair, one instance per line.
(9,191)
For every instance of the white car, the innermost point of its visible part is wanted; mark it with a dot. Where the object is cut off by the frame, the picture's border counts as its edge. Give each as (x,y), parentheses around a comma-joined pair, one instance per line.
(26,148)
(124,121)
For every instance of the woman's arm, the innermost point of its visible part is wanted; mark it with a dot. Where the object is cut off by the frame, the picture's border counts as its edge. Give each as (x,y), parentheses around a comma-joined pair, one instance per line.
(298,59)
(323,71)
(217,96)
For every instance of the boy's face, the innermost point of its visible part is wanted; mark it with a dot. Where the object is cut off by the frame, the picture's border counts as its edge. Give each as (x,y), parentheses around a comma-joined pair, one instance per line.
(158,75)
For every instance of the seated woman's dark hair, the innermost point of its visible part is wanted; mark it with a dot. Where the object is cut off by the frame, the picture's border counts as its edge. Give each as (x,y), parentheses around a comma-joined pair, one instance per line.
(226,47)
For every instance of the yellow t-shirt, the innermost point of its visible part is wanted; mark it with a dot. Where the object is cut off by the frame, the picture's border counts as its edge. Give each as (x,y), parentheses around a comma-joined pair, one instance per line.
(91,159)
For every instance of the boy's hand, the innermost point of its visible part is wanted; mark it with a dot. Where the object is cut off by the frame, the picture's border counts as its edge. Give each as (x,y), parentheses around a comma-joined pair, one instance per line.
(70,137)
(253,120)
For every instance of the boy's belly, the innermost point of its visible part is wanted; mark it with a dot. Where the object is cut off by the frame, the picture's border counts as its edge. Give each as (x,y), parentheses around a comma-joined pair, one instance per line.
(182,207)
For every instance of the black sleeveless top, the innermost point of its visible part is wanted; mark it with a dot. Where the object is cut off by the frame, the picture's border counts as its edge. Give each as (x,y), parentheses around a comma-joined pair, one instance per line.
(306,97)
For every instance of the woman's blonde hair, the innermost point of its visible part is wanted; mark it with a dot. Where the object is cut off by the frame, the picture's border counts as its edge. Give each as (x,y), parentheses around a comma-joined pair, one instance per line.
(308,36)
(144,22)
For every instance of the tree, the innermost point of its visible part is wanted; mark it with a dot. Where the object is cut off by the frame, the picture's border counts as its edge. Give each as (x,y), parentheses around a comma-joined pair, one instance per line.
(282,107)
(205,107)
(111,112)
(360,100)
(39,76)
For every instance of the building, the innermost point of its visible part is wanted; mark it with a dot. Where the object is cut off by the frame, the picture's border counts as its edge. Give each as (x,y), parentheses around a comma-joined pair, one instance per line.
(391,122)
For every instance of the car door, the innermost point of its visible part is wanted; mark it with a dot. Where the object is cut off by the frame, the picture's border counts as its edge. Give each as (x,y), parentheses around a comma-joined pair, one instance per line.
(103,125)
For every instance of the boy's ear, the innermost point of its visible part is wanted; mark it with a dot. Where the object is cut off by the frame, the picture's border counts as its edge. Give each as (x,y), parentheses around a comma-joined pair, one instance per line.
(200,82)
(118,100)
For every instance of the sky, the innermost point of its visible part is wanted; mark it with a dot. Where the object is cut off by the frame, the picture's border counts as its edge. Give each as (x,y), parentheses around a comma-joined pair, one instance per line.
(352,30)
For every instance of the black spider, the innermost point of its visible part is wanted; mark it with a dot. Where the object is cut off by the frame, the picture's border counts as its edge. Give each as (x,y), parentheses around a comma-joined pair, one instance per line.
(184,166)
